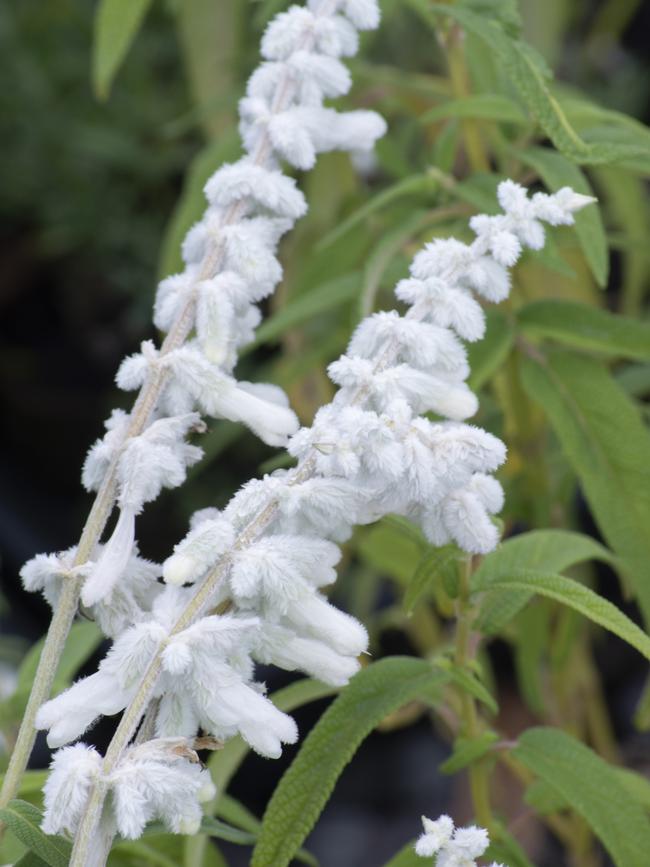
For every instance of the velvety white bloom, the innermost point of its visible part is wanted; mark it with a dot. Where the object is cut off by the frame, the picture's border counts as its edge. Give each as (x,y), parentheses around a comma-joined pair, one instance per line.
(299,133)
(364,14)
(444,306)
(161,779)
(280,646)
(157,458)
(436,835)
(419,344)
(268,188)
(463,516)
(299,28)
(207,666)
(219,395)
(73,773)
(128,602)
(452,847)
(107,691)
(442,392)
(198,551)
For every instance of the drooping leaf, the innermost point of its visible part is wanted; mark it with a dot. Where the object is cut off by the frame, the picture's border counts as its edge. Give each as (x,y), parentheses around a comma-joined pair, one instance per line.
(305,788)
(584,327)
(24,820)
(593,789)
(608,446)
(550,550)
(574,595)
(117,23)
(557,171)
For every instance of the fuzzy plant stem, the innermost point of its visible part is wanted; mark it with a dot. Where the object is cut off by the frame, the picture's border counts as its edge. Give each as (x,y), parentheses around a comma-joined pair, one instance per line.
(104,502)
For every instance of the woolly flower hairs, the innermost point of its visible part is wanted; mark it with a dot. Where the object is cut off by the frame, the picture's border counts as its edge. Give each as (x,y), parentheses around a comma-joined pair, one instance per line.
(452,847)
(267,556)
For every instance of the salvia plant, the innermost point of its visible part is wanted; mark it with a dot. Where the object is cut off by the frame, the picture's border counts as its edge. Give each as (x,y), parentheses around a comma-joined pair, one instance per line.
(452,531)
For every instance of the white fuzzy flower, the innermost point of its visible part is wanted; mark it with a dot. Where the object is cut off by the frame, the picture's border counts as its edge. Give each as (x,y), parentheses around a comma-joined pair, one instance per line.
(436,835)
(268,188)
(161,779)
(452,847)
(198,551)
(128,602)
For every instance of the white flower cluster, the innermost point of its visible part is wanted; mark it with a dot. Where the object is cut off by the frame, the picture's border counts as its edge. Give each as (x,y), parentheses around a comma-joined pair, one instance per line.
(160,779)
(370,452)
(230,266)
(453,847)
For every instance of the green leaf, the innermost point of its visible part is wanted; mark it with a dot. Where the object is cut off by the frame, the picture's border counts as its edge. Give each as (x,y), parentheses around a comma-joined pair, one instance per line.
(236,813)
(467,682)
(574,595)
(24,820)
(557,171)
(523,66)
(608,446)
(585,327)
(116,25)
(29,859)
(593,789)
(422,184)
(486,356)
(438,564)
(216,828)
(490,106)
(303,791)
(321,299)
(466,752)
(552,550)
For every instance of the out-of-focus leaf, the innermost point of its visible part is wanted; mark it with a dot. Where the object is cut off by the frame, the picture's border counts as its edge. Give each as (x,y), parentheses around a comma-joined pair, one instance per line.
(467,751)
(491,106)
(557,171)
(436,565)
(116,25)
(304,789)
(486,356)
(591,786)
(585,327)
(422,184)
(321,299)
(608,446)
(209,35)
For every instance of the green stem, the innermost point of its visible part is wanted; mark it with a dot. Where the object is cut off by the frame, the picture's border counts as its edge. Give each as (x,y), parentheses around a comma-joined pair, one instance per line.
(479,771)
(460,86)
